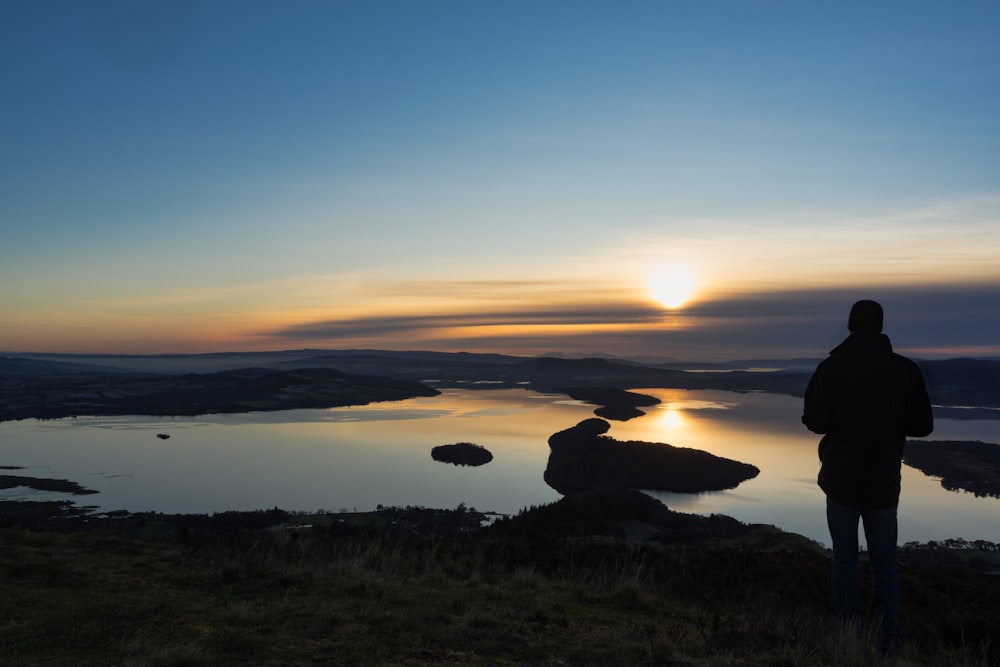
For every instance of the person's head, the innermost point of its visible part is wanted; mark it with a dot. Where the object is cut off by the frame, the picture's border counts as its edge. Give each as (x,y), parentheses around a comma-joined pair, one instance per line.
(866,315)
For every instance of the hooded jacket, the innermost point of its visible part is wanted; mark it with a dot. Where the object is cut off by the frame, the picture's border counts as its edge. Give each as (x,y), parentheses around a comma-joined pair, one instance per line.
(865,399)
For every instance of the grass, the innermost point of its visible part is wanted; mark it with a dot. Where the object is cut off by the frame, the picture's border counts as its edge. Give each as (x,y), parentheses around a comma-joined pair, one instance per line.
(314,598)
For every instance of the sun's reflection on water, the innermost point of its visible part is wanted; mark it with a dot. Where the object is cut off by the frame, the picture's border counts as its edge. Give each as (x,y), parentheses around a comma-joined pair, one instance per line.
(670,418)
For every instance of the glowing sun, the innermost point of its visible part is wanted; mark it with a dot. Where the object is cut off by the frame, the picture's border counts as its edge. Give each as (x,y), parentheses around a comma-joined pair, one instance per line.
(672,285)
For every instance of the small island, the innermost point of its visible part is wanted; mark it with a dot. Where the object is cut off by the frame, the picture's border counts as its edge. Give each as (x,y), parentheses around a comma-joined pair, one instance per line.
(966,465)
(583,458)
(462,454)
(617,404)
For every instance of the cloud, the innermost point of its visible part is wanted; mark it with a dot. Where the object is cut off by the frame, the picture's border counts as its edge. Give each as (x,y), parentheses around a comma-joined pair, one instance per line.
(934,320)
(927,318)
(530,317)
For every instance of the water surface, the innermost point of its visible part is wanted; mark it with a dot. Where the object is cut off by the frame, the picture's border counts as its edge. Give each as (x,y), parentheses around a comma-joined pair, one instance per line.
(361,457)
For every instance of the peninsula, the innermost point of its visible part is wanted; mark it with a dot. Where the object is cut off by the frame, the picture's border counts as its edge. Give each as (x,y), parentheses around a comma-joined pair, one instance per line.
(56,395)
(967,465)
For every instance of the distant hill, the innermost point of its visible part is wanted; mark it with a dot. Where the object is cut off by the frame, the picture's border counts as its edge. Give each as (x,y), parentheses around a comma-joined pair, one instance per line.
(798,364)
(52,396)
(963,382)
(955,385)
(28,366)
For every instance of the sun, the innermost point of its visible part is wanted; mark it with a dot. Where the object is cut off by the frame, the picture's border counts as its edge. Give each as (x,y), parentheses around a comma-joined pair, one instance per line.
(672,285)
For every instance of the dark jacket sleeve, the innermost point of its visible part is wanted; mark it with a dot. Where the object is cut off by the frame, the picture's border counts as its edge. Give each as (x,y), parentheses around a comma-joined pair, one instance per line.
(818,404)
(921,418)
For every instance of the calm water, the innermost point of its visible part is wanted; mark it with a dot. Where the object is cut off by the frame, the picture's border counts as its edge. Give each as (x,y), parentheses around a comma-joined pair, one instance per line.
(360,457)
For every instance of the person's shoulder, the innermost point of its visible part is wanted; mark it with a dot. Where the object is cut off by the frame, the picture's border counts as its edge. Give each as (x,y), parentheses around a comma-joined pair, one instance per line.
(903,358)
(827,366)
(830,359)
(841,348)
(906,361)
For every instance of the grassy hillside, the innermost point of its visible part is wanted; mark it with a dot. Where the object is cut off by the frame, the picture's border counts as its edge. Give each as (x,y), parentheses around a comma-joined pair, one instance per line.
(355,595)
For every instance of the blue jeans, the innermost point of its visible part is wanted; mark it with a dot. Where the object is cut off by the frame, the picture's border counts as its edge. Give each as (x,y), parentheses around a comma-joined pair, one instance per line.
(880,533)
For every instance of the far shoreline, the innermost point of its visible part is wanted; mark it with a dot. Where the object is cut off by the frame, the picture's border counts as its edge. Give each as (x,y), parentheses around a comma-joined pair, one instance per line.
(547,376)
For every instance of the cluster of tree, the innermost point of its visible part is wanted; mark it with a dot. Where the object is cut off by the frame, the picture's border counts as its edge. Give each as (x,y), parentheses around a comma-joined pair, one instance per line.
(606,512)
(956,554)
(64,515)
(424,522)
(957,543)
(462,454)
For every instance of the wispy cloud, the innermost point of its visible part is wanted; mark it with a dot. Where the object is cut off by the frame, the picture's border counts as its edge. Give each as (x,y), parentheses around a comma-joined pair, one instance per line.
(593,315)
(786,323)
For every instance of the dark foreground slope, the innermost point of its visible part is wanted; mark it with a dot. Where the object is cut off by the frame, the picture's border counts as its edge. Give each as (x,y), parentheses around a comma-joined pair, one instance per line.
(524,593)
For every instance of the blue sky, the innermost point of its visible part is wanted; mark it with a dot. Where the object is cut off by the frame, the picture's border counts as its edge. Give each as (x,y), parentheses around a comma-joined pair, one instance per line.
(497,176)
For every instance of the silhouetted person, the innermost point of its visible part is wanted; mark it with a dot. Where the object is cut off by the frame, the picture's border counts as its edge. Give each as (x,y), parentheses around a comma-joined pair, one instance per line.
(865,399)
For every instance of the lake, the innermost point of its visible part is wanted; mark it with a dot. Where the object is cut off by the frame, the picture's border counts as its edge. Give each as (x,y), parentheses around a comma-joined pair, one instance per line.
(357,458)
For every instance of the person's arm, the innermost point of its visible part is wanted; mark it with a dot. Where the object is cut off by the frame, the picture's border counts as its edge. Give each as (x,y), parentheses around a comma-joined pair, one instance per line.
(817,407)
(921,418)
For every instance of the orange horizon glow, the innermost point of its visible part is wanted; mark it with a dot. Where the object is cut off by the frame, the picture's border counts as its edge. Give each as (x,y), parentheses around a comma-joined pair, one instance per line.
(570,313)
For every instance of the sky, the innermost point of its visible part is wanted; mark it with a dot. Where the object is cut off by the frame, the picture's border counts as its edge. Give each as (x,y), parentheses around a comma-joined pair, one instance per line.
(701,180)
